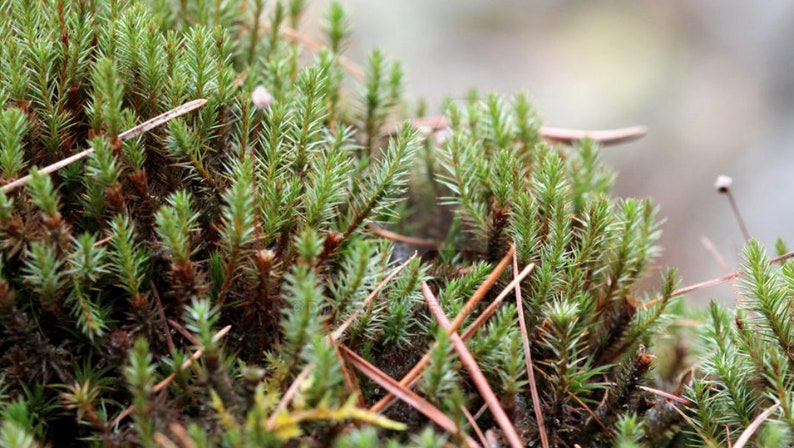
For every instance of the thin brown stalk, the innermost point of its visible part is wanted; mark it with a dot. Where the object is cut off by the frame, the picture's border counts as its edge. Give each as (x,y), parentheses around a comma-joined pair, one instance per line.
(144,127)
(411,398)
(533,387)
(475,373)
(417,369)
(712,282)
(738,215)
(473,422)
(753,426)
(167,380)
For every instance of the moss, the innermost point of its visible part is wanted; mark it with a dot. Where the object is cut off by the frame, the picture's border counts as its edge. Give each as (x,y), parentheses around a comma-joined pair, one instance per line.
(232,277)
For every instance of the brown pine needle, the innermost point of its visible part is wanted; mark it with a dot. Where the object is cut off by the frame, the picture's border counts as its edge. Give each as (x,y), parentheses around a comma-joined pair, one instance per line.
(167,380)
(180,433)
(556,135)
(335,335)
(181,330)
(475,373)
(188,362)
(296,36)
(718,258)
(282,404)
(712,282)
(478,295)
(533,387)
(393,236)
(667,395)
(163,441)
(351,381)
(491,309)
(589,411)
(473,422)
(607,137)
(102,241)
(480,411)
(688,420)
(161,312)
(753,426)
(146,126)
(405,394)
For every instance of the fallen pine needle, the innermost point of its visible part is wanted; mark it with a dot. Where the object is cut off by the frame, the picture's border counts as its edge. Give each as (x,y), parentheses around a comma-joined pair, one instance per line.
(688,420)
(282,404)
(533,387)
(478,295)
(126,135)
(340,331)
(712,282)
(556,135)
(393,236)
(753,426)
(491,309)
(405,394)
(474,425)
(416,370)
(607,137)
(165,382)
(475,373)
(335,335)
(667,395)
(589,411)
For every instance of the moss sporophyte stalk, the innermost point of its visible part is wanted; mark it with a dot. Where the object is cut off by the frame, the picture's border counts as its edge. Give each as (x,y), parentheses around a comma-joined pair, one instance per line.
(217,231)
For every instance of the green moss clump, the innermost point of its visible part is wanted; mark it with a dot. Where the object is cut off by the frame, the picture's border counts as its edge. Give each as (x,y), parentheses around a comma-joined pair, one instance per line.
(224,279)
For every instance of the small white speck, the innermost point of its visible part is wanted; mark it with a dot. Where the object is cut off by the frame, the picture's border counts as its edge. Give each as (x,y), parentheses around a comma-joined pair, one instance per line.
(442,135)
(261,98)
(723,183)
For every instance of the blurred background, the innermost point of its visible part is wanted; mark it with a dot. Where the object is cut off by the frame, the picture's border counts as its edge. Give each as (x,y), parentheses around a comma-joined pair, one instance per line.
(712,81)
